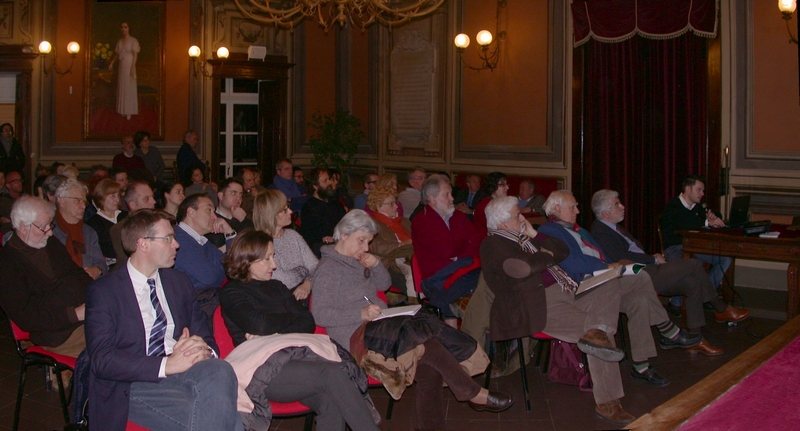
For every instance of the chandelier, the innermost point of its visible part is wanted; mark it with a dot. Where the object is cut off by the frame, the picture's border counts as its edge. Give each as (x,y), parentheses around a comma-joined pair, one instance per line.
(360,13)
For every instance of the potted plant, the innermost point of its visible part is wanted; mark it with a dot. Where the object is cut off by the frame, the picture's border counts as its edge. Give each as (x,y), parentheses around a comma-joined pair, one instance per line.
(336,142)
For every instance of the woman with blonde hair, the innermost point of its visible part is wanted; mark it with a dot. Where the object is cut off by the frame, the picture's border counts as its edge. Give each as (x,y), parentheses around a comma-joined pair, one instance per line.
(296,262)
(387,180)
(106,198)
(392,243)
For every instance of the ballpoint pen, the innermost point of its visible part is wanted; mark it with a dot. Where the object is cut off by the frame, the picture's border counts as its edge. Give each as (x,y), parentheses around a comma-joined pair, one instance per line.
(372,303)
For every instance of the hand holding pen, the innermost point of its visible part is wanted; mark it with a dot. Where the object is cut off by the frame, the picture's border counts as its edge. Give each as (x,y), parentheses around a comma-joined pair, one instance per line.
(371,311)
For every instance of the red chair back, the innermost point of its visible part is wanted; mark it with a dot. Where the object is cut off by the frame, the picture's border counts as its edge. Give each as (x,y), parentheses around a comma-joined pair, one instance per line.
(417,273)
(18,333)
(221,334)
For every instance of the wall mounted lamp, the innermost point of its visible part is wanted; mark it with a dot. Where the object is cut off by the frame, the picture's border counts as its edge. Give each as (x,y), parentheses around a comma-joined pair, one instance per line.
(45,48)
(490,56)
(787,8)
(194,54)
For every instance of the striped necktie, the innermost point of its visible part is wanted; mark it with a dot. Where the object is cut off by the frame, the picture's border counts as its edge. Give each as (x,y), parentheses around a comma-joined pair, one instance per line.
(156,343)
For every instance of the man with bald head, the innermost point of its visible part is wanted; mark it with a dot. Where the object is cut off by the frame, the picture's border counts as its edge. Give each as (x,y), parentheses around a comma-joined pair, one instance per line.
(43,290)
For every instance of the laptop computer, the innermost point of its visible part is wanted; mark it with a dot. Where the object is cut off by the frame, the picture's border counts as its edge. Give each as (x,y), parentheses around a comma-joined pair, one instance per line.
(740,207)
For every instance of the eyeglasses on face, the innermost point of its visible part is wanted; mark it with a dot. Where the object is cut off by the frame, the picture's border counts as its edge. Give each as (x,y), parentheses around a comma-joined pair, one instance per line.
(47,228)
(168,238)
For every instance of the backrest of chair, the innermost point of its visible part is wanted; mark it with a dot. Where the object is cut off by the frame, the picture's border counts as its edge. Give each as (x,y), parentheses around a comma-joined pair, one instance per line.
(18,333)
(417,273)
(221,334)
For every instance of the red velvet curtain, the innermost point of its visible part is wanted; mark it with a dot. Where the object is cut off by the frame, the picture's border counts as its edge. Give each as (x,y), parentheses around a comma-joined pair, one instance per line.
(641,123)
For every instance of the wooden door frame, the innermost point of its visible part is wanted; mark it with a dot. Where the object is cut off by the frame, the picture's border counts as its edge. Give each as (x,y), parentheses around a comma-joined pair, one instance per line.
(18,59)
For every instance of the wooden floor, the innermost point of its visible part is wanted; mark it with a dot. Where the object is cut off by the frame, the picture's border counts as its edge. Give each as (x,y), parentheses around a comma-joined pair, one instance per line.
(678,410)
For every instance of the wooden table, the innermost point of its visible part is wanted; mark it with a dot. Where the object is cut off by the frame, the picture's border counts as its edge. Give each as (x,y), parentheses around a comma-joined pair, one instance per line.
(733,243)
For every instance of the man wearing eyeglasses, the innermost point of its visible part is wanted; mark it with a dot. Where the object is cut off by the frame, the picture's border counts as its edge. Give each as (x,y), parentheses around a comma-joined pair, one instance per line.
(230,197)
(370,181)
(411,196)
(80,239)
(42,291)
(153,357)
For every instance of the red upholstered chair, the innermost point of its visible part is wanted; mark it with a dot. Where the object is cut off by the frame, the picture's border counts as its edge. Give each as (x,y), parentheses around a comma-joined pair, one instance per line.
(35,355)
(417,274)
(279,410)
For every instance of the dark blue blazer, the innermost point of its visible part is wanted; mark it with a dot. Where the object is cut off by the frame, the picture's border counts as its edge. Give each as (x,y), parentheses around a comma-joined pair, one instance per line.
(115,340)
(576,264)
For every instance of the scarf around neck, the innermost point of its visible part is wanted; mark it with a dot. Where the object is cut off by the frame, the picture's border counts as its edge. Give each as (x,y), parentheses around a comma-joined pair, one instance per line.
(395,224)
(74,243)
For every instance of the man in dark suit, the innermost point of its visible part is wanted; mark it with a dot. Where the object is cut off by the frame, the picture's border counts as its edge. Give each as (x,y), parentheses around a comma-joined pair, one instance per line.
(150,348)
(187,159)
(679,277)
(466,200)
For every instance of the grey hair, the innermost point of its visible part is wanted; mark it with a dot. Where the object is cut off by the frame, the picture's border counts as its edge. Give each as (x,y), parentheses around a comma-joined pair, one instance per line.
(431,187)
(601,202)
(281,161)
(354,221)
(69,184)
(499,211)
(416,169)
(558,197)
(52,183)
(27,209)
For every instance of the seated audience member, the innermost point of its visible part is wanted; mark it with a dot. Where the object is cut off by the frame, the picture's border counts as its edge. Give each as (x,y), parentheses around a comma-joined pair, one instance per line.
(71,172)
(445,242)
(13,192)
(297,194)
(495,185)
(198,257)
(637,295)
(466,200)
(139,196)
(370,180)
(187,159)
(685,212)
(340,191)
(389,180)
(57,168)
(258,187)
(247,177)
(321,212)
(121,178)
(80,240)
(149,154)
(254,304)
(151,351)
(50,185)
(106,198)
(12,157)
(411,196)
(299,176)
(340,287)
(172,194)
(198,185)
(43,291)
(296,262)
(230,209)
(533,294)
(679,277)
(126,159)
(529,201)
(97,173)
(392,243)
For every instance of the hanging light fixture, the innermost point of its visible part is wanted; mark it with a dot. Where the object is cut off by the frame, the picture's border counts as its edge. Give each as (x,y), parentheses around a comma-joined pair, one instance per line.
(787,8)
(360,13)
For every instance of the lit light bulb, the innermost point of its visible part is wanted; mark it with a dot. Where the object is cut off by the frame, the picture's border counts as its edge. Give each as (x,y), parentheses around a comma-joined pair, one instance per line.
(194,51)
(73,48)
(484,37)
(223,52)
(45,47)
(787,6)
(461,41)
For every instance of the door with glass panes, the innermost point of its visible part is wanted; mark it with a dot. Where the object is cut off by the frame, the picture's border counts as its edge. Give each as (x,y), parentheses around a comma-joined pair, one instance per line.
(238,126)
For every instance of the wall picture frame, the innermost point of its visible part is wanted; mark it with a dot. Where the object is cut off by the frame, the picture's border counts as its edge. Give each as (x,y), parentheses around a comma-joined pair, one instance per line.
(125,73)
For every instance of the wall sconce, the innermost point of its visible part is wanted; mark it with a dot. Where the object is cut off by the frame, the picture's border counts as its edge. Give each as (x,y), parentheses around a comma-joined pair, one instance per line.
(484,38)
(787,8)
(194,54)
(45,48)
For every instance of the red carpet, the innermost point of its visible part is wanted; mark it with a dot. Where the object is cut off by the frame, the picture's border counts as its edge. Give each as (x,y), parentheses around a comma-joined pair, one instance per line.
(765,400)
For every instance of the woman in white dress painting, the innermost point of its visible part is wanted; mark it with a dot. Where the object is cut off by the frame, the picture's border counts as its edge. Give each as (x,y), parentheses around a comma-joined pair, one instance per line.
(127,51)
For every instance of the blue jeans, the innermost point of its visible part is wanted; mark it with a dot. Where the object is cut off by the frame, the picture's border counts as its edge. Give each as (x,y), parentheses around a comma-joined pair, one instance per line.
(201,398)
(719,265)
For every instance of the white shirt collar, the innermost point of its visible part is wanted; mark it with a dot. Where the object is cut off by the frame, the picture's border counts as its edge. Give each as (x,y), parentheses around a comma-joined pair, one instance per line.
(192,233)
(686,204)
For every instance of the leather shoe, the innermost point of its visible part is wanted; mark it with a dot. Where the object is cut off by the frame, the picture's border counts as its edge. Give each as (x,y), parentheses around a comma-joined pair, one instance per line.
(706,348)
(684,340)
(732,315)
(650,376)
(496,402)
(596,343)
(613,412)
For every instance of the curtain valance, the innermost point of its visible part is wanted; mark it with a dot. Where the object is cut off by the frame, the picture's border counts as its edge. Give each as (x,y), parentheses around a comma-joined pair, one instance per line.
(617,20)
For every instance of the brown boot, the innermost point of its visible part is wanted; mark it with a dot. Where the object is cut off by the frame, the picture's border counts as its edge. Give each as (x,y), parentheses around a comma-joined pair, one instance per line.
(612,411)
(596,343)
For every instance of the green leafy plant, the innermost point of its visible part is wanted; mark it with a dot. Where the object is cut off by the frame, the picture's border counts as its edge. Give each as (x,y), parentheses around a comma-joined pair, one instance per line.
(336,142)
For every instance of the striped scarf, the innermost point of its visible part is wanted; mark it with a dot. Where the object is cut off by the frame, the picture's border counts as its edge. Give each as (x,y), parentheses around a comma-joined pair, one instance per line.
(562,278)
